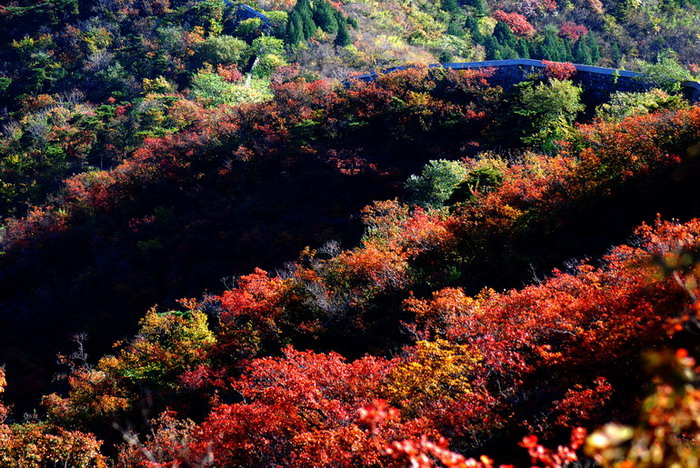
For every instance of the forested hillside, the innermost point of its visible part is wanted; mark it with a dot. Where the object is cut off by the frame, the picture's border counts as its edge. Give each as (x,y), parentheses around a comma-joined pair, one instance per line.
(221,248)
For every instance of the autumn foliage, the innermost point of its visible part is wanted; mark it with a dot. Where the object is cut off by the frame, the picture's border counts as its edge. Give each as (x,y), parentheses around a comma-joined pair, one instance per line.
(516,22)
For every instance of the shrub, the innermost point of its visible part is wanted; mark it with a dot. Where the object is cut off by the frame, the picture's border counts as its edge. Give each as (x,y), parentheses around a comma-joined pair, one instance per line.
(436,183)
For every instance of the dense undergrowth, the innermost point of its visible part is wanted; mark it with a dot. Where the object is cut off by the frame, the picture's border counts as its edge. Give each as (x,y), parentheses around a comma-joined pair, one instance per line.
(426,268)
(404,317)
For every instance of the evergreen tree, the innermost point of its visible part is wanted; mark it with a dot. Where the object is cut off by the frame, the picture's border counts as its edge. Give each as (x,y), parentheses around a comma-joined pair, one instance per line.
(552,48)
(594,48)
(324,16)
(615,54)
(492,48)
(472,26)
(454,29)
(522,47)
(450,6)
(507,52)
(481,8)
(295,34)
(582,53)
(306,20)
(343,38)
(569,57)
(302,5)
(504,35)
(308,25)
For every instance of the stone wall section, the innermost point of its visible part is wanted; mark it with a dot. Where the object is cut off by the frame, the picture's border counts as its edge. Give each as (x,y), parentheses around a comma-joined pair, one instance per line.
(598,83)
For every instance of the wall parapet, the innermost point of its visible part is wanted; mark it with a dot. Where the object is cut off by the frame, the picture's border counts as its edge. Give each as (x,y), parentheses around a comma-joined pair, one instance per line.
(598,82)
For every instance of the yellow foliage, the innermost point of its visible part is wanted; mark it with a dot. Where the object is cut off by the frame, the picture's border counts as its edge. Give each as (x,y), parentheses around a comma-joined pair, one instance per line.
(437,370)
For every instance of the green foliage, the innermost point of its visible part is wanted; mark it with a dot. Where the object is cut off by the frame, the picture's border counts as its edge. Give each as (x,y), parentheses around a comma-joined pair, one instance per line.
(295,31)
(485,174)
(450,6)
(667,73)
(436,183)
(5,83)
(264,45)
(593,47)
(622,105)
(267,65)
(248,27)
(548,110)
(481,7)
(166,345)
(115,81)
(40,70)
(582,52)
(343,38)
(214,90)
(553,48)
(222,50)
(325,16)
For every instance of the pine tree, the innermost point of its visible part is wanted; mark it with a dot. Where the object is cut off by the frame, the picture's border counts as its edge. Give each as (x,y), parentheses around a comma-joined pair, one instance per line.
(594,48)
(481,8)
(325,17)
(472,26)
(522,47)
(450,6)
(308,25)
(615,54)
(295,35)
(504,35)
(343,38)
(582,53)
(492,47)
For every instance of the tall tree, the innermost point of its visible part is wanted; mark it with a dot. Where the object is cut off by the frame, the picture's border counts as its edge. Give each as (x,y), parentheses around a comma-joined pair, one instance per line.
(582,53)
(451,6)
(593,47)
(343,38)
(295,33)
(325,17)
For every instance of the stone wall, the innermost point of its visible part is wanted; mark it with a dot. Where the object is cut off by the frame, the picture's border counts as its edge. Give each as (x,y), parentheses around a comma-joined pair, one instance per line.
(598,83)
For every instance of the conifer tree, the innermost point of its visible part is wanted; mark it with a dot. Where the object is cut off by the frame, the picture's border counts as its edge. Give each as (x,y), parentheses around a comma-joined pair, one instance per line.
(552,48)
(450,6)
(504,35)
(325,17)
(582,53)
(492,48)
(615,54)
(295,34)
(593,47)
(507,52)
(569,55)
(522,48)
(472,25)
(308,25)
(343,38)
(481,8)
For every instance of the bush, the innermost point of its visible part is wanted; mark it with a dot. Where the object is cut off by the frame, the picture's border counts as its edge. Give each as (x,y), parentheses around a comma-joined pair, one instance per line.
(667,73)
(214,90)
(622,105)
(436,183)
(222,49)
(549,110)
